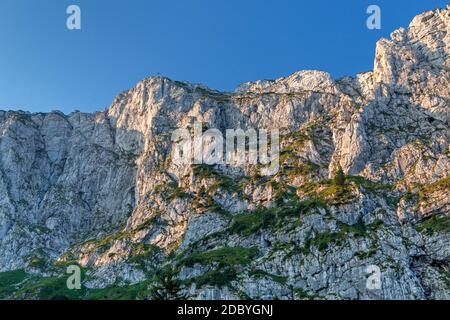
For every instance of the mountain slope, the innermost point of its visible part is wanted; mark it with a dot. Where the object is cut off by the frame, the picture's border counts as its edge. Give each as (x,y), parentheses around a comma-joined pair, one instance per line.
(101,190)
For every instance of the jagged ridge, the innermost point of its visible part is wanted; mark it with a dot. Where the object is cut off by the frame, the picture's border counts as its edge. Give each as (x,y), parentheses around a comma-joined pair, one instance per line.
(100,189)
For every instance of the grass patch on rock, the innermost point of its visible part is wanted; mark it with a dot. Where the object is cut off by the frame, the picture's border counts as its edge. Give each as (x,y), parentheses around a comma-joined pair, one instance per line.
(226,256)
(435,224)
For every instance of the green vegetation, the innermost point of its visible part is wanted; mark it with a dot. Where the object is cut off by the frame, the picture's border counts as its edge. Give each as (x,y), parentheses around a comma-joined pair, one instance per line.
(225,261)
(445,277)
(359,229)
(145,252)
(339,178)
(291,165)
(335,194)
(38,259)
(104,243)
(290,249)
(10,281)
(390,262)
(175,192)
(225,256)
(328,192)
(340,190)
(37,262)
(136,291)
(322,240)
(203,170)
(299,208)
(49,288)
(300,169)
(368,185)
(212,94)
(216,277)
(440,185)
(435,224)
(203,200)
(221,181)
(301,294)
(367,254)
(167,286)
(393,201)
(282,191)
(292,143)
(249,223)
(18,284)
(260,274)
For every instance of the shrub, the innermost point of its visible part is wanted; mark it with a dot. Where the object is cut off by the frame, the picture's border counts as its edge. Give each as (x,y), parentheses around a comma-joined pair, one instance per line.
(322,240)
(259,274)
(204,171)
(435,224)
(226,256)
(443,184)
(249,223)
(226,261)
(216,277)
(369,185)
(339,178)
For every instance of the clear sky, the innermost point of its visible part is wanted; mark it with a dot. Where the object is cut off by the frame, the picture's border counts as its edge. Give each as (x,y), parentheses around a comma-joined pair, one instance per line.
(220,43)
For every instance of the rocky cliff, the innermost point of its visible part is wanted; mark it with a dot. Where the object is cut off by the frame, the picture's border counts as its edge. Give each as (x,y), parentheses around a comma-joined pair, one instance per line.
(101,190)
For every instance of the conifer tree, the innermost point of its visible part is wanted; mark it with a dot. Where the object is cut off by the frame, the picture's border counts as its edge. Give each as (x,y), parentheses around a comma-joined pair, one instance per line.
(339,178)
(167,286)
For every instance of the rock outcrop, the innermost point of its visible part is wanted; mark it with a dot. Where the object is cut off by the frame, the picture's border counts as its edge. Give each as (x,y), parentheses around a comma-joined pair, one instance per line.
(101,190)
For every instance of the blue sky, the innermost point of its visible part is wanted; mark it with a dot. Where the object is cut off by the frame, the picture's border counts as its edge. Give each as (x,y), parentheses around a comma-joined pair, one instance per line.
(220,43)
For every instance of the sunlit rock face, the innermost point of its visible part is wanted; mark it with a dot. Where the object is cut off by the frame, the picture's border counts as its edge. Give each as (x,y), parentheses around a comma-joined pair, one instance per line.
(101,190)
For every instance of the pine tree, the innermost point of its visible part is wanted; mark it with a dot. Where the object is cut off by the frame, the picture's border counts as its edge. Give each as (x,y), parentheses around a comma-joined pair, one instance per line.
(339,178)
(167,286)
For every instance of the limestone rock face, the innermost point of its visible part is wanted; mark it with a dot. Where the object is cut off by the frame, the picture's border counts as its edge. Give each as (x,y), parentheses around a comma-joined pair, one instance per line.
(102,190)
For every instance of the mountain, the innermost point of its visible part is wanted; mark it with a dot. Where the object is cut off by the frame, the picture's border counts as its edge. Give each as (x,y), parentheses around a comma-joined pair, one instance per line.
(362,188)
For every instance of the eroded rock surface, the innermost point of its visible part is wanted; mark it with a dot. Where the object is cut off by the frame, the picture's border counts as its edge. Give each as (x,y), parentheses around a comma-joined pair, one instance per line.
(100,190)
